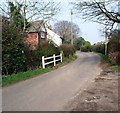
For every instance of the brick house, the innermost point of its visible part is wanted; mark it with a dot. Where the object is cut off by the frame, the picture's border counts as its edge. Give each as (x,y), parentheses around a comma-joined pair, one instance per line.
(36,34)
(39,33)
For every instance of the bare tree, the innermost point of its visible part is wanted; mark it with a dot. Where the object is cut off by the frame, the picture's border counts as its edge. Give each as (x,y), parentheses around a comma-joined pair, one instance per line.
(63,28)
(102,11)
(33,10)
(42,9)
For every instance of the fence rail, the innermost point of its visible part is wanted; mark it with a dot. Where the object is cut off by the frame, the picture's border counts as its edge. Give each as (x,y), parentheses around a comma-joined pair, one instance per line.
(44,63)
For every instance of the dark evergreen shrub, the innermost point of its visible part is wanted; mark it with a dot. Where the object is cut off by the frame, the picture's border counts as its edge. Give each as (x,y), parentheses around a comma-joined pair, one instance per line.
(13,57)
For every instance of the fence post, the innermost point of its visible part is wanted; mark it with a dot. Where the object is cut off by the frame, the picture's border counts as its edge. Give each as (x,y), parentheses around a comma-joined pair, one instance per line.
(54,60)
(43,62)
(61,56)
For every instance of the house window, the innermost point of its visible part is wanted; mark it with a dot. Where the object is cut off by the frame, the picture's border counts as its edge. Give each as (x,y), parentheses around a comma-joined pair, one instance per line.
(42,35)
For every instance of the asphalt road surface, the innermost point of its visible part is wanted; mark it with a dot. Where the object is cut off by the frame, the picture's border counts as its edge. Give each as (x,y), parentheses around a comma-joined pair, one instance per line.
(52,91)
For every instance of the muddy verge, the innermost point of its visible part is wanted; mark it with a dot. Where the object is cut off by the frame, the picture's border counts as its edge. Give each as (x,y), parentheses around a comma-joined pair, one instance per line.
(101,95)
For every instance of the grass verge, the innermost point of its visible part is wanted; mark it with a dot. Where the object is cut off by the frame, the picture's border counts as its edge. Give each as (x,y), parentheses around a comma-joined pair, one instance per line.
(10,79)
(115,68)
(106,60)
(104,57)
(69,59)
(14,78)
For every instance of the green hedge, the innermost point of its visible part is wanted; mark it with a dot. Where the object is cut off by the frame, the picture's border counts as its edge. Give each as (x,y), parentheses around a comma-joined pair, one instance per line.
(67,50)
(86,48)
(13,57)
(98,48)
(34,56)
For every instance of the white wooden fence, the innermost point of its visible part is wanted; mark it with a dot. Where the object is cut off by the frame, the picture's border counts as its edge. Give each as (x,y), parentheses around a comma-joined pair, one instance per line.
(53,61)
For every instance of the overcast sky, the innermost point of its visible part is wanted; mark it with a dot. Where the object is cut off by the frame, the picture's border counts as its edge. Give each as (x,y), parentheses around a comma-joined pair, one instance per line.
(89,31)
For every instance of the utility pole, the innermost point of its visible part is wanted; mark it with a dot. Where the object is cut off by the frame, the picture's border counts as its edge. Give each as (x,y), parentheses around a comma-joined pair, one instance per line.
(118,11)
(24,15)
(71,29)
(106,39)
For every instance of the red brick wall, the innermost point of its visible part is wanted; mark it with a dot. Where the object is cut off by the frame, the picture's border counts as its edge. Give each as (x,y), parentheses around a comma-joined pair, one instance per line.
(32,39)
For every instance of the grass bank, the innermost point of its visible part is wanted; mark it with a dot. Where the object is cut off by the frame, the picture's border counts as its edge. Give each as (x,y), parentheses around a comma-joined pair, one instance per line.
(106,60)
(115,68)
(69,59)
(10,79)
(14,78)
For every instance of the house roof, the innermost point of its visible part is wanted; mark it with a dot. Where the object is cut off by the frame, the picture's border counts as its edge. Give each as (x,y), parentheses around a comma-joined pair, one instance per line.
(36,26)
(54,37)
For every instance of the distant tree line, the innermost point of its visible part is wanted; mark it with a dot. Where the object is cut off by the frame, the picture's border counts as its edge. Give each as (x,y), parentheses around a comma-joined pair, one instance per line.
(113,48)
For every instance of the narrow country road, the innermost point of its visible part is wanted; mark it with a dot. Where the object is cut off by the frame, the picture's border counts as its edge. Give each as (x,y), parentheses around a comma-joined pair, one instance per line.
(53,90)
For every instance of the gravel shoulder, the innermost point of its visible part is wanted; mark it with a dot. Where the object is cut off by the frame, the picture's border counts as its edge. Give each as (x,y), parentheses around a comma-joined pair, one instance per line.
(101,95)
